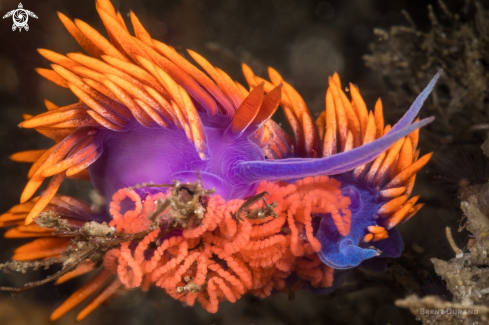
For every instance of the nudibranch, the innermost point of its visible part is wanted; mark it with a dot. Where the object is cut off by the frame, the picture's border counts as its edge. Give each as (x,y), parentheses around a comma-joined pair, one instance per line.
(210,199)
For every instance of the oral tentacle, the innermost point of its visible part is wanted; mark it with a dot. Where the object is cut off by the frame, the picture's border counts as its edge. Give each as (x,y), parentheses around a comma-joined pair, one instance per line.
(335,164)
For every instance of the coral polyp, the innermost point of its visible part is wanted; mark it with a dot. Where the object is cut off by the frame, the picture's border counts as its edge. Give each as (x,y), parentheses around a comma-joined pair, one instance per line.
(208,198)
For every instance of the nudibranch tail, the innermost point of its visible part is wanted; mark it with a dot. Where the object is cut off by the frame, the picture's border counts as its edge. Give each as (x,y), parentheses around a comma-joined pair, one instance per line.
(208,198)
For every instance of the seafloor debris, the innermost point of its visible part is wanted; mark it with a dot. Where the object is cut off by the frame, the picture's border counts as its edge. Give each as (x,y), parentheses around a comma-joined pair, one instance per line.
(404,58)
(466,275)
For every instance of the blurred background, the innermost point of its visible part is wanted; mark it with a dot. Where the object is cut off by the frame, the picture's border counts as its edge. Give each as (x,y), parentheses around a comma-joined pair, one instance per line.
(306,41)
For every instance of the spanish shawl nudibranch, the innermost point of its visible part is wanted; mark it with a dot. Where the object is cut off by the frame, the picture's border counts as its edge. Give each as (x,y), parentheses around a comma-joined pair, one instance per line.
(285,213)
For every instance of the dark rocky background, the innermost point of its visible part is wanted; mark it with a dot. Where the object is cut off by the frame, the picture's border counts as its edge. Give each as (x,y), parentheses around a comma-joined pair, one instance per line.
(306,41)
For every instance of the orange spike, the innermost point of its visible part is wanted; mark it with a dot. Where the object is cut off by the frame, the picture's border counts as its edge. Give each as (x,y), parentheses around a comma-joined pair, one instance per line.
(249,75)
(368,237)
(55,116)
(41,248)
(414,136)
(275,77)
(198,131)
(392,192)
(34,228)
(99,41)
(139,29)
(39,162)
(84,175)
(231,85)
(58,152)
(403,176)
(330,144)
(99,68)
(371,131)
(405,156)
(296,129)
(52,76)
(81,269)
(369,136)
(105,101)
(168,83)
(268,87)
(106,6)
(388,162)
(81,294)
(87,73)
(311,136)
(410,184)
(353,120)
(196,74)
(341,120)
(241,88)
(9,219)
(96,106)
(180,112)
(46,197)
(74,159)
(136,72)
(58,58)
(321,125)
(369,178)
(351,117)
(361,108)
(120,19)
(104,91)
(379,118)
(105,294)
(391,206)
(56,134)
(401,213)
(246,112)
(15,233)
(22,208)
(104,122)
(268,107)
(71,125)
(349,142)
(12,219)
(141,94)
(50,105)
(229,89)
(336,79)
(138,113)
(381,236)
(183,79)
(412,212)
(120,36)
(78,168)
(376,229)
(387,129)
(416,154)
(280,137)
(28,156)
(164,103)
(80,37)
(152,112)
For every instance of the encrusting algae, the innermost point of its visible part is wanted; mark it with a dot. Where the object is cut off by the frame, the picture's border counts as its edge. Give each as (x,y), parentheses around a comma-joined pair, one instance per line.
(210,199)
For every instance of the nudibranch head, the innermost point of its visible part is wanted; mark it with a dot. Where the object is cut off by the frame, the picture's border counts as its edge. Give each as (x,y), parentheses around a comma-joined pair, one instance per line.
(209,198)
